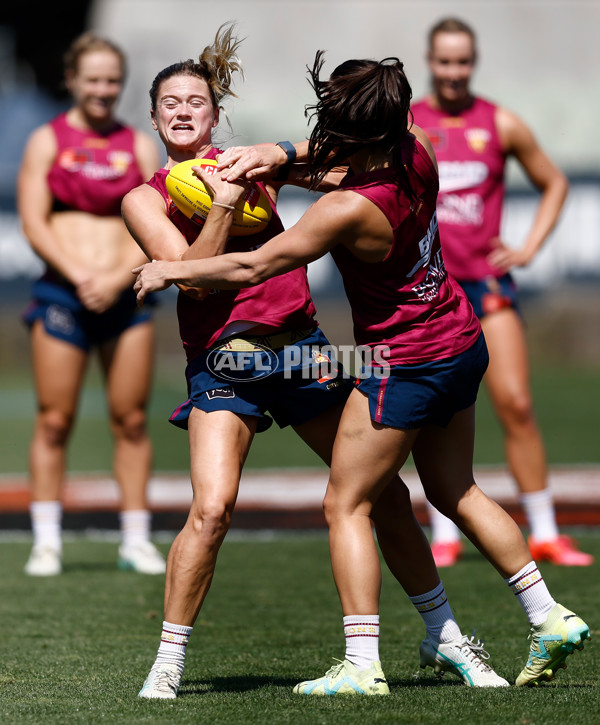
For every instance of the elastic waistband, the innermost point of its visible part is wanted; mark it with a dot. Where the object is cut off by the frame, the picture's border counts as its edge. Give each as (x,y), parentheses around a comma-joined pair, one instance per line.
(277,341)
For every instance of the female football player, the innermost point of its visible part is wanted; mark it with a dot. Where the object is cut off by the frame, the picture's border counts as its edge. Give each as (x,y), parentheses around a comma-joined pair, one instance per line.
(75,171)
(473,139)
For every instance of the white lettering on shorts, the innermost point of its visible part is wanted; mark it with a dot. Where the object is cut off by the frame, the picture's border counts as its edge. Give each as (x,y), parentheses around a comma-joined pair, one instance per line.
(60,319)
(220,393)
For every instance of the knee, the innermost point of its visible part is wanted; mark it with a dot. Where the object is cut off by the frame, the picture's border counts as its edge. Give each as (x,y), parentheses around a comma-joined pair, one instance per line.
(331,507)
(211,520)
(130,426)
(54,427)
(516,410)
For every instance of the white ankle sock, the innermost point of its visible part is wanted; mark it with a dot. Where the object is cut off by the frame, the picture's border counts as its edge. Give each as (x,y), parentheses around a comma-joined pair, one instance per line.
(135,527)
(539,510)
(173,641)
(46,524)
(442,528)
(439,621)
(530,589)
(362,640)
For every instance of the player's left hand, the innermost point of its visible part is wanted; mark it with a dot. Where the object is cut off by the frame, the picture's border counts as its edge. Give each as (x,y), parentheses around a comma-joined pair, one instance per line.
(506,258)
(222,192)
(151,277)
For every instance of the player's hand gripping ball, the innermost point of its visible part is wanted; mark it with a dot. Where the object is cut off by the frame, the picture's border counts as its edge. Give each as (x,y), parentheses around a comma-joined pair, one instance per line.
(252,212)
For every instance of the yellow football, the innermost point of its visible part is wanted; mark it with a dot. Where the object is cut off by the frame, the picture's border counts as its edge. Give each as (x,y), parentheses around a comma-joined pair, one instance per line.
(252,212)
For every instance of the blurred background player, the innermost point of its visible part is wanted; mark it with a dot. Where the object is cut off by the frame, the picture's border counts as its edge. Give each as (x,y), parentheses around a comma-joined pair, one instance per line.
(472,139)
(75,171)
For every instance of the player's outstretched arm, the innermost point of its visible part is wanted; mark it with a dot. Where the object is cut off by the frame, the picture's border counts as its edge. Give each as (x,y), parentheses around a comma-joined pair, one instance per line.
(330,221)
(265,162)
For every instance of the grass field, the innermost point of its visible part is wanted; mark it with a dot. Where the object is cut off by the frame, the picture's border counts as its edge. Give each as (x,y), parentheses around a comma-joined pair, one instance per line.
(567,402)
(77,648)
(565,375)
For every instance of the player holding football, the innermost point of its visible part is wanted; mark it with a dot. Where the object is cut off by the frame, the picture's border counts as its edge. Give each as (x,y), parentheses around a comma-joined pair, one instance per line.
(75,171)
(472,139)
(380,227)
(222,416)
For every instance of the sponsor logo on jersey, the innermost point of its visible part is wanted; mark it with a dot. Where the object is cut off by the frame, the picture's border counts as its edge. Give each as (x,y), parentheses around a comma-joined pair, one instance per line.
(465,209)
(438,138)
(452,122)
(73,159)
(426,245)
(77,160)
(478,139)
(459,175)
(96,143)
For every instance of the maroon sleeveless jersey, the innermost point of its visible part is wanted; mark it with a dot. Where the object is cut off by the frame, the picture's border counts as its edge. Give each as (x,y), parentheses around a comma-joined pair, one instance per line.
(282,302)
(471,166)
(406,301)
(92,171)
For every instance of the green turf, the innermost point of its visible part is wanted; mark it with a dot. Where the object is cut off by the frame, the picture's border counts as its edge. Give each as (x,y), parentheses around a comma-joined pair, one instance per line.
(76,648)
(567,401)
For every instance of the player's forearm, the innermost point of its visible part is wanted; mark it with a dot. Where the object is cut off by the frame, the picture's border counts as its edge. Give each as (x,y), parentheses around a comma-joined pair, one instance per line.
(44,244)
(212,240)
(229,271)
(548,213)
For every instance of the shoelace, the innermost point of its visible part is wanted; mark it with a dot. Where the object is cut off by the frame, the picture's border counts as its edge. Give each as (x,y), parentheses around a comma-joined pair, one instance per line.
(335,669)
(475,652)
(166,680)
(534,636)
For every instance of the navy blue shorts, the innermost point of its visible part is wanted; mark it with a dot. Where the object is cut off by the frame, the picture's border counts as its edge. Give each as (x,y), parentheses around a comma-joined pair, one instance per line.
(490,294)
(293,383)
(414,396)
(64,316)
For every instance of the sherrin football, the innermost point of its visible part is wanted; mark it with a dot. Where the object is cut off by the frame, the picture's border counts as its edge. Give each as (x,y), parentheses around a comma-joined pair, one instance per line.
(252,212)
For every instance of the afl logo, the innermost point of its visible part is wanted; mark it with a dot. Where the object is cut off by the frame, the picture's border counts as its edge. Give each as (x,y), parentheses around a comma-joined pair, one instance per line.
(240,361)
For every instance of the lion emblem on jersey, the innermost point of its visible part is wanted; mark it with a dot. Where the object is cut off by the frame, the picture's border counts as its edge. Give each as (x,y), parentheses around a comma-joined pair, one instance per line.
(478,139)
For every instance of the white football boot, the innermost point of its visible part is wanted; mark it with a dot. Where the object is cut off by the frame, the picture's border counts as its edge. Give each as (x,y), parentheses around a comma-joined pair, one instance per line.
(162,683)
(143,557)
(462,657)
(44,561)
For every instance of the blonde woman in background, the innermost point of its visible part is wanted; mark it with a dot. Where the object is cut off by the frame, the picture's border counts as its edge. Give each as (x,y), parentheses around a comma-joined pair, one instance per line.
(75,171)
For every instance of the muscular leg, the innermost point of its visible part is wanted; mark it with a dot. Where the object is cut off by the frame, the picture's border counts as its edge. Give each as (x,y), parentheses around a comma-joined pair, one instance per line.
(444,461)
(59,369)
(366,457)
(127,363)
(507,380)
(219,444)
(398,531)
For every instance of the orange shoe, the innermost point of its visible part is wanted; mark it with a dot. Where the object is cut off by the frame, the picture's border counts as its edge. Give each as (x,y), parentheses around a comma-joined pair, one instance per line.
(561,551)
(446,553)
